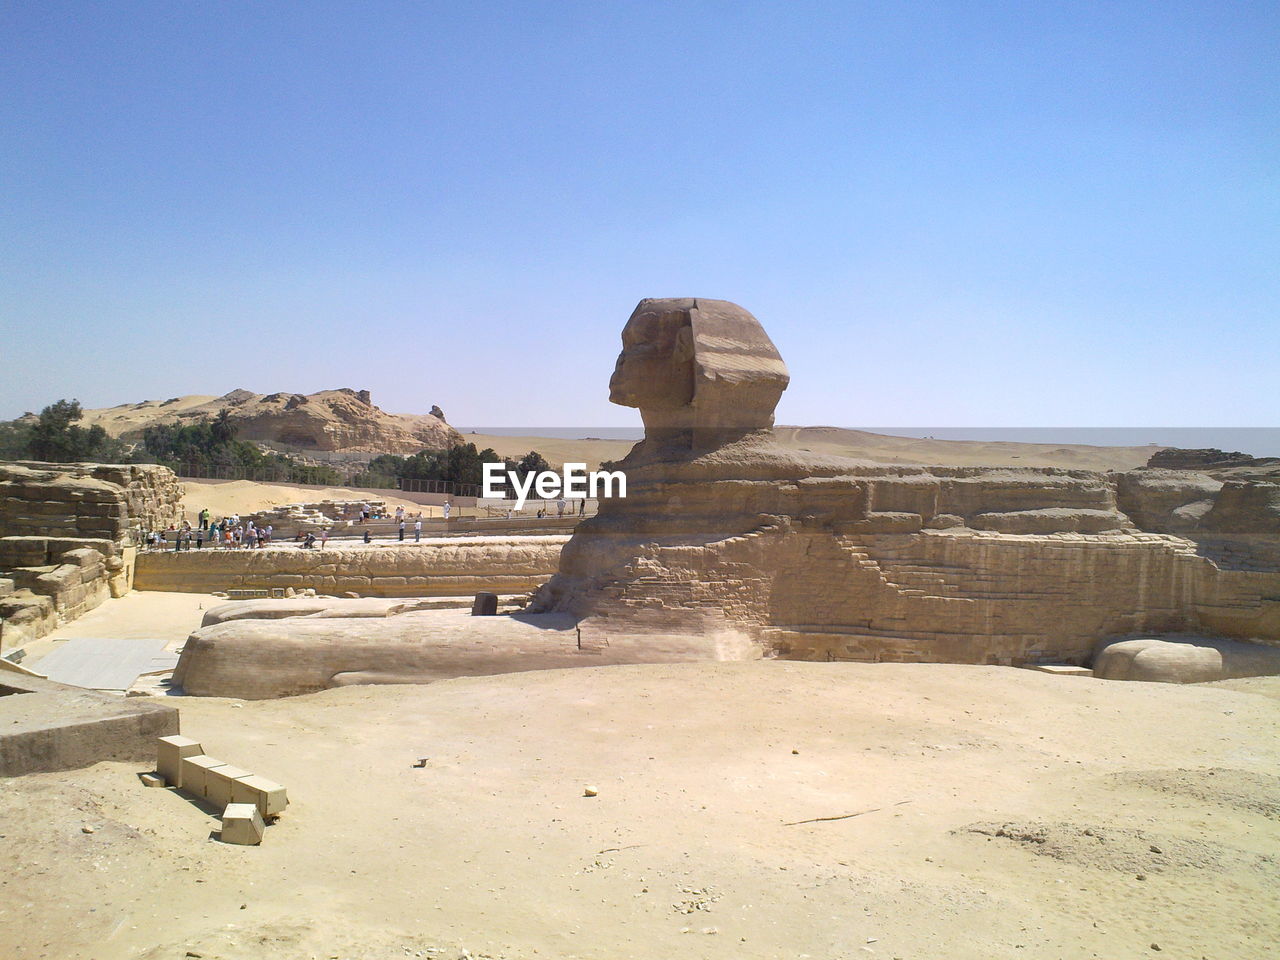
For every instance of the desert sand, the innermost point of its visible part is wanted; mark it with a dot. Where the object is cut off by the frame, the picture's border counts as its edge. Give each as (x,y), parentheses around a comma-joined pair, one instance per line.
(225,497)
(995,812)
(858,444)
(861,445)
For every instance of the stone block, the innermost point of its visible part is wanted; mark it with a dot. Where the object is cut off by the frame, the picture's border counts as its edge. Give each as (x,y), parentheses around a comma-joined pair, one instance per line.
(170,752)
(242,823)
(218,783)
(485,605)
(195,774)
(267,796)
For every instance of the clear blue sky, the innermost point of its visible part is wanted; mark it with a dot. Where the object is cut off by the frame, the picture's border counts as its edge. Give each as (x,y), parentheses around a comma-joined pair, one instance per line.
(945,213)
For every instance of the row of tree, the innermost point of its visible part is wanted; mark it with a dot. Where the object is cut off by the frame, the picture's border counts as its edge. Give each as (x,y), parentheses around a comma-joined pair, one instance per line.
(462,463)
(209,448)
(206,447)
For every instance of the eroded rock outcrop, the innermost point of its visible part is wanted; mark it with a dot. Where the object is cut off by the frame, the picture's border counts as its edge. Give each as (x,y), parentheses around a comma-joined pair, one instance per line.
(341,420)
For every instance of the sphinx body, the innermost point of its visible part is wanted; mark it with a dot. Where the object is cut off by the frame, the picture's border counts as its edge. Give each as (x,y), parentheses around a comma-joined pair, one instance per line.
(828,558)
(729,546)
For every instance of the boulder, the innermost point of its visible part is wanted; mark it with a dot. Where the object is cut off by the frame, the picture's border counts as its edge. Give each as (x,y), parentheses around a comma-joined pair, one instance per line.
(1178,659)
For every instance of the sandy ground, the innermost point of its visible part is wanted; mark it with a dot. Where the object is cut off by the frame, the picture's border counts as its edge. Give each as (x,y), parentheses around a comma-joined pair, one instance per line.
(225,497)
(997,813)
(165,616)
(859,445)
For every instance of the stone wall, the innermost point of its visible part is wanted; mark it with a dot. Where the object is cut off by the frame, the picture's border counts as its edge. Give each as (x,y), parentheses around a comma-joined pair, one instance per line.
(51,726)
(937,564)
(64,538)
(433,568)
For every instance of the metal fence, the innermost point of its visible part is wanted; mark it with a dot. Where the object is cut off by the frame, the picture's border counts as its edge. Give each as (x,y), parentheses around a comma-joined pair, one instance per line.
(281,473)
(414,485)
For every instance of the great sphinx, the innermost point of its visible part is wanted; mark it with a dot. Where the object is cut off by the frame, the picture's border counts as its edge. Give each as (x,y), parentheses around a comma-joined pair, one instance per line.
(825,558)
(730,546)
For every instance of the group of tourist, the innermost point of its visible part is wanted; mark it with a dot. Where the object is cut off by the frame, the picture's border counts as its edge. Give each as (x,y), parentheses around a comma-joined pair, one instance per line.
(368,513)
(228,532)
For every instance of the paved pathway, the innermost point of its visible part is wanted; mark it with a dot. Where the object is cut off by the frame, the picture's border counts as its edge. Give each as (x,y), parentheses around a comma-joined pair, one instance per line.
(108,664)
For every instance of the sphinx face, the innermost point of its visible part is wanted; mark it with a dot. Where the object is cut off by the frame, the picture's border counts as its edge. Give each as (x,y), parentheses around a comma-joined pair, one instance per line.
(655,368)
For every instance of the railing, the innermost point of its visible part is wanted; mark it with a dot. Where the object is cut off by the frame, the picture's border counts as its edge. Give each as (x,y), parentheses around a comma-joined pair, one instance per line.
(282,473)
(414,485)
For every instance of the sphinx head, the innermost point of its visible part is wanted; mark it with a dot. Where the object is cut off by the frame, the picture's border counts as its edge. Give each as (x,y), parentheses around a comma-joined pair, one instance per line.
(701,371)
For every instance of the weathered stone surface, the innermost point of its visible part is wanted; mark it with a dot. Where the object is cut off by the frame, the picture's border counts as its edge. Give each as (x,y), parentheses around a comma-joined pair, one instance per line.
(48,726)
(447,567)
(817,557)
(242,824)
(729,545)
(260,659)
(1184,660)
(1245,506)
(170,752)
(330,420)
(62,536)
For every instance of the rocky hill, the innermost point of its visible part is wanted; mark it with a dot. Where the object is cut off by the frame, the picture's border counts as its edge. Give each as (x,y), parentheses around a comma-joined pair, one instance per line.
(331,421)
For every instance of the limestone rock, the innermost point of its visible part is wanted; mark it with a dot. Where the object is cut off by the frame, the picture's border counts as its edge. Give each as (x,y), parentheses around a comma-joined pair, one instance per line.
(1184,660)
(242,823)
(330,420)
(820,557)
(1245,506)
(1166,501)
(63,534)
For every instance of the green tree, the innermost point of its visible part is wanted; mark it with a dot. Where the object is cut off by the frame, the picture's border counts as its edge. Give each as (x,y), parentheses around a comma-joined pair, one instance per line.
(15,440)
(56,436)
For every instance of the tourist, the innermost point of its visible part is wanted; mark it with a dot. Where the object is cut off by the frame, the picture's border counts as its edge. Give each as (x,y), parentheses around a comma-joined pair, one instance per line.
(399,514)
(417,530)
(401,528)
(324,537)
(582,507)
(309,542)
(270,530)
(447,507)
(560,505)
(367,537)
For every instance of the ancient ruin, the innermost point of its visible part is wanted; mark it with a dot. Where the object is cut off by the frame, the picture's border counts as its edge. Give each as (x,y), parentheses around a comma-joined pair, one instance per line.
(437,567)
(826,558)
(65,543)
(731,546)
